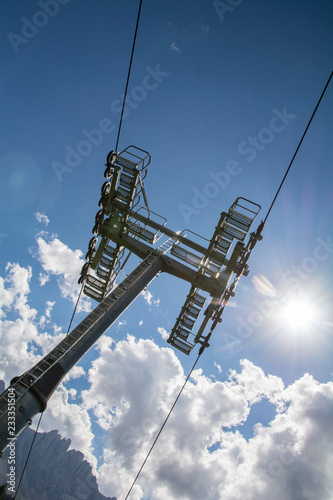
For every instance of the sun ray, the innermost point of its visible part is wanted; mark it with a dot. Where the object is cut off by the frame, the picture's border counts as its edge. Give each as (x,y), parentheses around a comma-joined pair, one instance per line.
(299,313)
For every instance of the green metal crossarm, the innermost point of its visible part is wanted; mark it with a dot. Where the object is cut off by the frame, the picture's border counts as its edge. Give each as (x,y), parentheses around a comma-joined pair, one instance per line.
(119,195)
(227,274)
(234,224)
(204,264)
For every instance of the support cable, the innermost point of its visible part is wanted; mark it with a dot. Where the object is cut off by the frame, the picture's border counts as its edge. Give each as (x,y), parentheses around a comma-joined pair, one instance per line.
(128,76)
(299,145)
(26,462)
(256,237)
(77,303)
(78,299)
(42,413)
(163,425)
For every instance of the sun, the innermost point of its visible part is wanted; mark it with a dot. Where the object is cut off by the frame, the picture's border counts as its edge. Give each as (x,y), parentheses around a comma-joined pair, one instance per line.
(299,313)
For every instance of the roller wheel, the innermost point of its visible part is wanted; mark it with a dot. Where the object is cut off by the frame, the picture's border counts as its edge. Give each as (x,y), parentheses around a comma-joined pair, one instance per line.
(108,172)
(99,216)
(85,268)
(95,229)
(89,255)
(111,158)
(106,188)
(92,243)
(81,279)
(103,200)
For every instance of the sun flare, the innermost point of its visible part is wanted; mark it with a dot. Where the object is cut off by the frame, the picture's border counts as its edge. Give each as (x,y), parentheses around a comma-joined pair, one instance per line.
(299,313)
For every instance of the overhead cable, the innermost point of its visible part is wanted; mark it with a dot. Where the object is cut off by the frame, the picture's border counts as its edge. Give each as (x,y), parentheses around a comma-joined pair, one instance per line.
(299,145)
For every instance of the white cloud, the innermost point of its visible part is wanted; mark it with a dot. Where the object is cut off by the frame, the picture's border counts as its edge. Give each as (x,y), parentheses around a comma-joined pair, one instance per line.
(218,367)
(22,337)
(148,296)
(6,297)
(76,372)
(133,385)
(24,340)
(43,278)
(45,319)
(162,331)
(72,393)
(42,218)
(174,47)
(72,420)
(120,404)
(58,259)
(49,306)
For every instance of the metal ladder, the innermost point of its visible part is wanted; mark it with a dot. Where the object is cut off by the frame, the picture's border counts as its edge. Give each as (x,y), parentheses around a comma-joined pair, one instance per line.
(185,322)
(25,381)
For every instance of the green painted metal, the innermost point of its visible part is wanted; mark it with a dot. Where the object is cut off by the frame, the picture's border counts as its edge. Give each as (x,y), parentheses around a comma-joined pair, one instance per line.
(129,228)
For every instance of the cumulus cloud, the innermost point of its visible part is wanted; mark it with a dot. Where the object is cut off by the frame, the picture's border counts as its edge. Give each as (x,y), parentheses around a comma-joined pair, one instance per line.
(72,420)
(130,388)
(42,218)
(24,340)
(148,296)
(59,260)
(201,454)
(162,331)
(43,278)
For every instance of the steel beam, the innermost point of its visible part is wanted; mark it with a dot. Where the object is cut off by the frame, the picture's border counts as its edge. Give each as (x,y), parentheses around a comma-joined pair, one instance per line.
(31,394)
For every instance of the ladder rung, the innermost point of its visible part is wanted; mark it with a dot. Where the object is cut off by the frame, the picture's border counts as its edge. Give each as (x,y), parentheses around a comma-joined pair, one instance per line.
(217,259)
(199,300)
(101,273)
(192,311)
(181,345)
(93,314)
(231,233)
(182,333)
(126,180)
(124,192)
(96,283)
(36,369)
(56,354)
(105,262)
(109,300)
(65,342)
(92,280)
(109,251)
(87,322)
(93,294)
(222,245)
(124,162)
(22,383)
(239,218)
(212,270)
(76,334)
(187,322)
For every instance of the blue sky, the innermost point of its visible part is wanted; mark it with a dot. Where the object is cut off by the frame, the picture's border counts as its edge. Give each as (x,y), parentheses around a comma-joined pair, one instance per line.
(215,80)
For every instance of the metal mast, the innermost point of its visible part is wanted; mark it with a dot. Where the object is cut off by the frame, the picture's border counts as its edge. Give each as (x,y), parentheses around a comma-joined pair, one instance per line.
(123,227)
